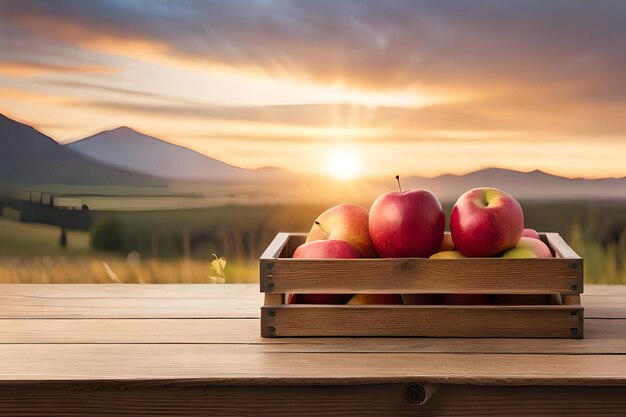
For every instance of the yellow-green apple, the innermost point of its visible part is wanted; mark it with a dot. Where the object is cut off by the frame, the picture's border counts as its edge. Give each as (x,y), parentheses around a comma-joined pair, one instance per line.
(446,244)
(319,298)
(519,253)
(447,254)
(530,233)
(406,224)
(534,245)
(486,222)
(347,222)
(376,299)
(322,249)
(466,299)
(521,299)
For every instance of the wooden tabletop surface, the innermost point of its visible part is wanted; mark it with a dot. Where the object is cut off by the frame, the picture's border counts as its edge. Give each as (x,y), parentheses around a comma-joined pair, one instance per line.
(210,333)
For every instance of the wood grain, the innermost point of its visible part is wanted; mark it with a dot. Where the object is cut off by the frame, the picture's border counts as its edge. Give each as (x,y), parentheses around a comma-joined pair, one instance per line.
(274,299)
(199,399)
(112,301)
(414,275)
(123,291)
(422,321)
(418,275)
(560,247)
(188,301)
(605,290)
(601,336)
(609,306)
(245,364)
(128,350)
(276,247)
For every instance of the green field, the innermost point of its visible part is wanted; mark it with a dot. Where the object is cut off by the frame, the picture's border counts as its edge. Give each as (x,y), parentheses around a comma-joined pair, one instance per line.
(31,253)
(178,245)
(29,240)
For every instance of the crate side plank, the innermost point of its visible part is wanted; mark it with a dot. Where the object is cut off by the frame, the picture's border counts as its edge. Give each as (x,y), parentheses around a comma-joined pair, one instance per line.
(415,275)
(422,321)
(559,246)
(281,274)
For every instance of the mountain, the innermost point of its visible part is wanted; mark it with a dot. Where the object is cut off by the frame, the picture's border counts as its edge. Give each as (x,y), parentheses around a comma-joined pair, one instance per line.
(27,156)
(523,185)
(126,148)
(125,157)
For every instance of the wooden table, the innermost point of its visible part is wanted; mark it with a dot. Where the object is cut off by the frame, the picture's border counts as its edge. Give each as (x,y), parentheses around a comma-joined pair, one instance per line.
(195,350)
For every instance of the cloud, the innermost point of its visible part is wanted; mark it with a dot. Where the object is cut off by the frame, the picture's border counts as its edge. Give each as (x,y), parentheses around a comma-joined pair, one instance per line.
(535,71)
(446,122)
(477,44)
(24,68)
(90,87)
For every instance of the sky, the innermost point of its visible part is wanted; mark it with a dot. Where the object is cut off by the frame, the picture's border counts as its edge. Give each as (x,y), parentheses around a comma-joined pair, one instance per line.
(359,87)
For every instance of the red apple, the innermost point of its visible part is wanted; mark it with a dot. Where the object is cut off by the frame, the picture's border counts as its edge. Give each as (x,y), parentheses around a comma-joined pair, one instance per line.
(347,222)
(446,244)
(321,249)
(530,233)
(407,224)
(486,222)
(534,245)
(376,299)
(466,299)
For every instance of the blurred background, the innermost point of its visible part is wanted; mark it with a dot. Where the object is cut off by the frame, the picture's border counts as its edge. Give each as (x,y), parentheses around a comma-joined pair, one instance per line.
(157,141)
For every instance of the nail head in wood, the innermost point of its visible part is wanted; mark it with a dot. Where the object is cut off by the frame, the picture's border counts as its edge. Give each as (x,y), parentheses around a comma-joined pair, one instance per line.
(271,329)
(574,287)
(272,313)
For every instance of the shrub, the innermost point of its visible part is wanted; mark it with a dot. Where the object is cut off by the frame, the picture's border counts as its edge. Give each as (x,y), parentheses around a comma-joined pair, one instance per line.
(107,234)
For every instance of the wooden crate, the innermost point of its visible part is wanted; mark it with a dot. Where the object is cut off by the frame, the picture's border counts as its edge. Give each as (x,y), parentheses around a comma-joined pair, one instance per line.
(559,278)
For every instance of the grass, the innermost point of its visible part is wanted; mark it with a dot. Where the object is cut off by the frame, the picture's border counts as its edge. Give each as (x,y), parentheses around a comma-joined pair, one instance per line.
(103,270)
(28,240)
(30,253)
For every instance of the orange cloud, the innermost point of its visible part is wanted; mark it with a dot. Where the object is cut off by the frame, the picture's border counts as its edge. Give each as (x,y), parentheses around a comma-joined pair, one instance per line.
(25,69)
(15,94)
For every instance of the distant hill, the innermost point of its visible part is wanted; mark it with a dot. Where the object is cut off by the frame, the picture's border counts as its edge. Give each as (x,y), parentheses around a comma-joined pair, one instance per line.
(126,148)
(27,156)
(523,185)
(126,157)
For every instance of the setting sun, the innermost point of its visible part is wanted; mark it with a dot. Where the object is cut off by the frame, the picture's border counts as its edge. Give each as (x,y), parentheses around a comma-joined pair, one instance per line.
(344,164)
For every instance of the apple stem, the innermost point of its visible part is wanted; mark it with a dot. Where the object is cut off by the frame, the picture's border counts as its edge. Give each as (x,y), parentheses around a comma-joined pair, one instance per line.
(320,226)
(399,186)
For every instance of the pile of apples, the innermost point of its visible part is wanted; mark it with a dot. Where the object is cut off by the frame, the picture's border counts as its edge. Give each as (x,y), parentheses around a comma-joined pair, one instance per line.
(485,222)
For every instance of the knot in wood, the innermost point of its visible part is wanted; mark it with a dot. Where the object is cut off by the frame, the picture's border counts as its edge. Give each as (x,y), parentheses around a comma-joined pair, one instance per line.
(415,394)
(405,266)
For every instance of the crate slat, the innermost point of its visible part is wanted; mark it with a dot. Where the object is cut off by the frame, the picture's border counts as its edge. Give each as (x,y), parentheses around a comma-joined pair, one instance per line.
(422,321)
(419,275)
(413,275)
